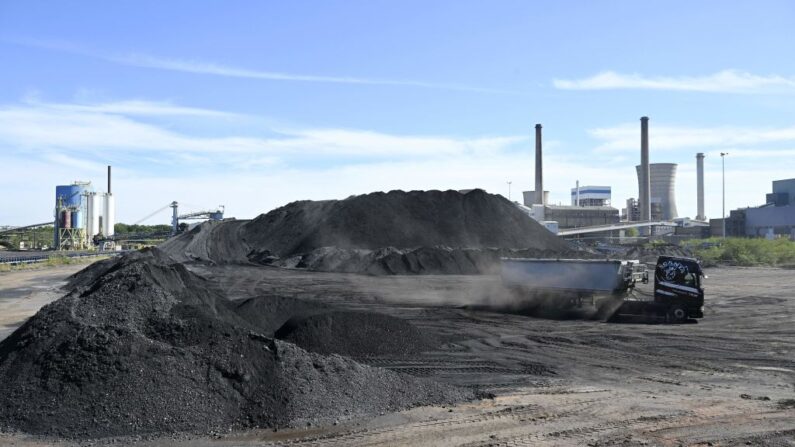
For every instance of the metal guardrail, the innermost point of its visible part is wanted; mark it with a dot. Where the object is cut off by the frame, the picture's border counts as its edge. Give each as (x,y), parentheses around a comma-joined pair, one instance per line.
(26,227)
(136,236)
(613,227)
(44,257)
(624,225)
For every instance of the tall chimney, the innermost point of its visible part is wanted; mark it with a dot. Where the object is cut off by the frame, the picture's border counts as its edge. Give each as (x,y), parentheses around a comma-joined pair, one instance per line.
(644,201)
(539,171)
(700,186)
(577,197)
(108,179)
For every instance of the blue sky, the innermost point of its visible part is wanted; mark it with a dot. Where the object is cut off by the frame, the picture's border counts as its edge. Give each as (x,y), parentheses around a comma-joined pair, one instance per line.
(256,104)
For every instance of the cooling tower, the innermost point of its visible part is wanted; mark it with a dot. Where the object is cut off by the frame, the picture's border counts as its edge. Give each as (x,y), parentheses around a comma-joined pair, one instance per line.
(662,181)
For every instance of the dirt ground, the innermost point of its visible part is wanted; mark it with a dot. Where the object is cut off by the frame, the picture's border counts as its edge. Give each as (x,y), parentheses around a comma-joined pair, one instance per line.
(24,292)
(728,379)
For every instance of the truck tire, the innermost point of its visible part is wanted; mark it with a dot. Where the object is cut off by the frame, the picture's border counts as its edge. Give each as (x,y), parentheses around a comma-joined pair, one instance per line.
(677,314)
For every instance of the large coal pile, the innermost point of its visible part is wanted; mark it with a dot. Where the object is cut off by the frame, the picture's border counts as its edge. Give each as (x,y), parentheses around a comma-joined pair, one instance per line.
(430,232)
(148,347)
(356,334)
(401,220)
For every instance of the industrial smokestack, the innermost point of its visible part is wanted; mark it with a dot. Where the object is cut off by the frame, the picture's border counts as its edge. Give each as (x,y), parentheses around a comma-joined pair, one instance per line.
(644,200)
(700,186)
(577,198)
(539,199)
(108,179)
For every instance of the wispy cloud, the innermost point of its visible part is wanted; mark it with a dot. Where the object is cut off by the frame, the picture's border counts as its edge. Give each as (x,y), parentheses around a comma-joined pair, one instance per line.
(129,107)
(726,81)
(626,137)
(209,68)
(144,60)
(44,142)
(87,128)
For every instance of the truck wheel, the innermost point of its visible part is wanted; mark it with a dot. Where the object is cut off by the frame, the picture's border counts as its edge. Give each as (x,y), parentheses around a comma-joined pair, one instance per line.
(677,314)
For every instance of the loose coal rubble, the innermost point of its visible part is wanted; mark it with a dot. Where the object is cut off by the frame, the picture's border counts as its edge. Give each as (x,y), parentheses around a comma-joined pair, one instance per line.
(355,334)
(143,346)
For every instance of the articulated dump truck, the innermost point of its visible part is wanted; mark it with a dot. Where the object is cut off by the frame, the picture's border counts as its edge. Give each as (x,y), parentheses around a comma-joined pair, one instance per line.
(609,285)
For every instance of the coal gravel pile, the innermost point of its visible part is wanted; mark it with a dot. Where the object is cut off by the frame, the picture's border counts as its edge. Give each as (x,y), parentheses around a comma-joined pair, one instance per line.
(148,347)
(416,232)
(94,271)
(356,334)
(215,242)
(399,219)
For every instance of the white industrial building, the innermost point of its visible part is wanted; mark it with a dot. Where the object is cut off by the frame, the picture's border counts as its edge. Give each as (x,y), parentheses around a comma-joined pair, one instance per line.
(590,195)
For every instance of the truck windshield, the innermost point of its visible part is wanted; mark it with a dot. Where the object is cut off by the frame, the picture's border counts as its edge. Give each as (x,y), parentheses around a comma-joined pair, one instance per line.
(679,271)
(690,279)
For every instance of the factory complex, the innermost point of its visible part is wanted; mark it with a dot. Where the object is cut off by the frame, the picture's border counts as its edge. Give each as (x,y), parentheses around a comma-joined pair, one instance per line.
(85,218)
(654,211)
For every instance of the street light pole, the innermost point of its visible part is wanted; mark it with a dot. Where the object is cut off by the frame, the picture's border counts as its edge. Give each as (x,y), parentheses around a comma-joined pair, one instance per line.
(723,193)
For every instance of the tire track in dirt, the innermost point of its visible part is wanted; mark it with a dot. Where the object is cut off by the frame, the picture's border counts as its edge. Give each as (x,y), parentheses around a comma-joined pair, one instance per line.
(491,420)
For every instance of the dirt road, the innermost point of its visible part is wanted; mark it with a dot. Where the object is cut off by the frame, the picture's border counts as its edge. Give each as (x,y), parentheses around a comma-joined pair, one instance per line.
(727,380)
(24,292)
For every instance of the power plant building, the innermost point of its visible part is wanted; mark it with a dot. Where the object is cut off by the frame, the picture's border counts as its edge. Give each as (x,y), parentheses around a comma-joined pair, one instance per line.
(776,218)
(581,216)
(590,196)
(81,214)
(632,212)
(783,193)
(662,182)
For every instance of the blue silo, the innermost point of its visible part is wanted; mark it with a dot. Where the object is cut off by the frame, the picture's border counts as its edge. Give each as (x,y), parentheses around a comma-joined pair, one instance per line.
(71,197)
(68,196)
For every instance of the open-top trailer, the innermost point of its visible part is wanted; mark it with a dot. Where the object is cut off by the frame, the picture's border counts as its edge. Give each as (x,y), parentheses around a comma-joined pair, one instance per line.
(678,294)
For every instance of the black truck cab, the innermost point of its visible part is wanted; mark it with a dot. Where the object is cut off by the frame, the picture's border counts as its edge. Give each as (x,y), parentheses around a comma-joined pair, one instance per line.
(677,288)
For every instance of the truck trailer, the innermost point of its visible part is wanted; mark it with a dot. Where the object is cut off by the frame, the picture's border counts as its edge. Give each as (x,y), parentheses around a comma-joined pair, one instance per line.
(609,284)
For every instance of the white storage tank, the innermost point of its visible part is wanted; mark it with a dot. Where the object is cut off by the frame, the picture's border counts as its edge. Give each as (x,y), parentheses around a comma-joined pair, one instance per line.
(109,218)
(94,209)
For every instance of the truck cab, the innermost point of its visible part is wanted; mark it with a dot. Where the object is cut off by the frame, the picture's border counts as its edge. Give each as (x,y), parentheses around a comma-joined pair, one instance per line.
(678,289)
